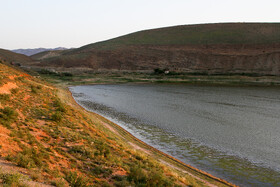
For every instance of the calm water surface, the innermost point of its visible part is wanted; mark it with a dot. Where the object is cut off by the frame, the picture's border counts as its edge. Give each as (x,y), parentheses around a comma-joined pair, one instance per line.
(230,132)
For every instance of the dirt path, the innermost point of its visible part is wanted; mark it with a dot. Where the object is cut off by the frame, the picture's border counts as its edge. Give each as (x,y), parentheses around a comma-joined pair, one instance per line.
(139,148)
(190,174)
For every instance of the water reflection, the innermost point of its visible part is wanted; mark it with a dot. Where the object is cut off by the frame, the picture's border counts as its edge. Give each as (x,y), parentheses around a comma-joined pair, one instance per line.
(232,133)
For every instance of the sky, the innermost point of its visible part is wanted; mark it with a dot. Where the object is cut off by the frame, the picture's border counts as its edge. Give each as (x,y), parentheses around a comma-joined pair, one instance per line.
(74,23)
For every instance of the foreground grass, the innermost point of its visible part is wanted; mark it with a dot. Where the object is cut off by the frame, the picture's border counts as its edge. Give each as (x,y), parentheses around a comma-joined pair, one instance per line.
(12,179)
(44,131)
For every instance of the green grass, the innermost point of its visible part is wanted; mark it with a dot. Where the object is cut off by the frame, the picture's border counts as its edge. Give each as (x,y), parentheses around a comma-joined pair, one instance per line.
(12,179)
(7,116)
(75,180)
(183,78)
(228,33)
(4,97)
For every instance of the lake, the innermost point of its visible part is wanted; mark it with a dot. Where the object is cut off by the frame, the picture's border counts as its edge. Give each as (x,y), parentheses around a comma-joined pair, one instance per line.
(230,132)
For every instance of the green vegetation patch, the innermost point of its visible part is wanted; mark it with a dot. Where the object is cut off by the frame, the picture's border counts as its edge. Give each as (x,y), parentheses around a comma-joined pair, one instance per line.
(35,89)
(4,97)
(204,34)
(76,180)
(7,116)
(30,158)
(12,179)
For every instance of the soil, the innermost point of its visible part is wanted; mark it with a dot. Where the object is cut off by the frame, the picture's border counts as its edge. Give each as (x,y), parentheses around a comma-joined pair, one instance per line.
(5,89)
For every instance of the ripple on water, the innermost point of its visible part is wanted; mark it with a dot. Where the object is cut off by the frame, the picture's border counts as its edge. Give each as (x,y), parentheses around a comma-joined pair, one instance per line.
(229,132)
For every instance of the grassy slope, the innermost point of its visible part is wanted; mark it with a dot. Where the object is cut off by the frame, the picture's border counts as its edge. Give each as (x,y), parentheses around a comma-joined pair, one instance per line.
(44,131)
(223,33)
(186,35)
(10,56)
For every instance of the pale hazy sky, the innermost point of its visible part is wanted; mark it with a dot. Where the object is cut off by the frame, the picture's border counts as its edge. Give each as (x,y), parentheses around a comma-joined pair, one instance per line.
(74,23)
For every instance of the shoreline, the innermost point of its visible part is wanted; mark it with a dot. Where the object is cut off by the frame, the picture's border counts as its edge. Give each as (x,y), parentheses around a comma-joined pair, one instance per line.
(157,154)
(83,78)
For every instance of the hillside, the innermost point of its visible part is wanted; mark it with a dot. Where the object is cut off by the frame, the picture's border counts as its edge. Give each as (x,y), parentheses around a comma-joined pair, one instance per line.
(205,34)
(46,138)
(8,56)
(30,52)
(48,54)
(229,48)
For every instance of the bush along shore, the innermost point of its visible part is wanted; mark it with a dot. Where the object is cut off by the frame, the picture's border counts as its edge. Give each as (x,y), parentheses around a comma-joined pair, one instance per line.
(68,77)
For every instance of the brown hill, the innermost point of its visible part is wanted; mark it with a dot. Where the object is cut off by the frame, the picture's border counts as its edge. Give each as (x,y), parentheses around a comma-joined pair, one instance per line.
(47,54)
(252,48)
(11,57)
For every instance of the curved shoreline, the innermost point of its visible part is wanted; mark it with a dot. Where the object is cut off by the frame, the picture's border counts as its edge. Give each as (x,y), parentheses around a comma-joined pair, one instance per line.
(168,159)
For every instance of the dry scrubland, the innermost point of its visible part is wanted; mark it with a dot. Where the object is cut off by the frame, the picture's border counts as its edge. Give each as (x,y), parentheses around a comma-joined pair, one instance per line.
(47,139)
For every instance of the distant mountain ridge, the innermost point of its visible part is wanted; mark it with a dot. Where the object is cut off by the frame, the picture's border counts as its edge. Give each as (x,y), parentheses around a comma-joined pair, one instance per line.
(29,52)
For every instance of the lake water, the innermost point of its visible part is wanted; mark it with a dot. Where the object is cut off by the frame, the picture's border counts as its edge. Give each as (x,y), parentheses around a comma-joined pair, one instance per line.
(230,132)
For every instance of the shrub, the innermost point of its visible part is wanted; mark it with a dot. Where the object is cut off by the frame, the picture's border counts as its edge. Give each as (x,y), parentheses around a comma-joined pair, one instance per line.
(121,183)
(47,72)
(59,183)
(66,74)
(57,116)
(39,112)
(58,104)
(14,90)
(9,157)
(106,184)
(102,149)
(12,179)
(4,97)
(19,78)
(80,150)
(118,177)
(34,89)
(156,178)
(75,180)
(137,175)
(158,71)
(30,158)
(24,161)
(152,178)
(99,170)
(8,114)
